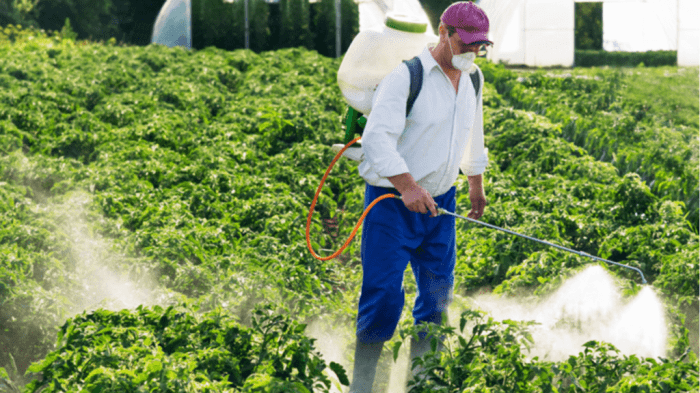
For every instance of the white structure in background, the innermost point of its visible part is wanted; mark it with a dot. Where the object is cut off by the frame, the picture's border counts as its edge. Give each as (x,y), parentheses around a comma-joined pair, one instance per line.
(688,43)
(541,32)
(531,32)
(638,26)
(173,25)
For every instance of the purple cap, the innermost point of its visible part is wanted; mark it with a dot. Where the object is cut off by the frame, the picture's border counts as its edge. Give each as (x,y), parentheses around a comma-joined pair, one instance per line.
(471,22)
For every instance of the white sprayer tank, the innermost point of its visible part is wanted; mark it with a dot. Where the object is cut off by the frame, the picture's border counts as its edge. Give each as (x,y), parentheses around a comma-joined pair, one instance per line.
(374,54)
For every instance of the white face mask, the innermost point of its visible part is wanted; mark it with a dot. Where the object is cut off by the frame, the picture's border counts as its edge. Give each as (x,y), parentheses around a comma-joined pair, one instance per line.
(463,62)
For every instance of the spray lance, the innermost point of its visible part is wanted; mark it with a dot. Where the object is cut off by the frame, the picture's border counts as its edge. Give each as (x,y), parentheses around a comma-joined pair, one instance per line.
(441,211)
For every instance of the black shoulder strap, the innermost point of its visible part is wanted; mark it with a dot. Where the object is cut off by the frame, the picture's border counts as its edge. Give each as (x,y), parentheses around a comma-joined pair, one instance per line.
(416,69)
(476,81)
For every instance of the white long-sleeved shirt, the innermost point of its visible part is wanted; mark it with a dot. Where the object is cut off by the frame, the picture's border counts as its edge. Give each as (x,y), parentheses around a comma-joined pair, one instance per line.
(443,133)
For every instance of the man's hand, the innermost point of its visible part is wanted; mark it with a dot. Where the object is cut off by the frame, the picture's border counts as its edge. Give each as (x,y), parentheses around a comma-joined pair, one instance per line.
(476,196)
(416,198)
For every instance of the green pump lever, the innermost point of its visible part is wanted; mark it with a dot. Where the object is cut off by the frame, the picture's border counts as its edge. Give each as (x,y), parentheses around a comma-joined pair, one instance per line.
(355,122)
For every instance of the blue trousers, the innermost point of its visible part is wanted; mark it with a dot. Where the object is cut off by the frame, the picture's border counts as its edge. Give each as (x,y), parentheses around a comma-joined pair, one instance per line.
(393,237)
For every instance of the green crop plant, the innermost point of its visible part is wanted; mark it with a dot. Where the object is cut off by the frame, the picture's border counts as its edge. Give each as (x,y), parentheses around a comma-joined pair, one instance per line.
(614,116)
(173,350)
(483,355)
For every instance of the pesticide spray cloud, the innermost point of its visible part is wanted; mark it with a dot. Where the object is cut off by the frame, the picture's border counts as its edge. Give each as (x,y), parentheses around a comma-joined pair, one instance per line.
(587,307)
(335,342)
(101,278)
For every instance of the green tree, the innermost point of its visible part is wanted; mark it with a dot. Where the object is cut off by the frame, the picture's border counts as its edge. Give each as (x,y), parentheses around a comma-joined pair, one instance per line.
(434,9)
(259,13)
(91,19)
(67,31)
(324,25)
(212,24)
(222,24)
(238,25)
(17,12)
(129,21)
(295,25)
(234,19)
(8,15)
(123,14)
(134,19)
(588,32)
(350,23)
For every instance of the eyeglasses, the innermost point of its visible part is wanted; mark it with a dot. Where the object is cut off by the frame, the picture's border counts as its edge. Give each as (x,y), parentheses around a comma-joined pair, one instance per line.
(481,50)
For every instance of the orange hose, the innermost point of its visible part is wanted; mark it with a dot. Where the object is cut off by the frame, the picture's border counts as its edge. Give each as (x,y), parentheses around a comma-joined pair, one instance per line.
(313,204)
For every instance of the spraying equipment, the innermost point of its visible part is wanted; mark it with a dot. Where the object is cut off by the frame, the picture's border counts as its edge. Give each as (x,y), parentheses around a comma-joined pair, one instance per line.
(372,55)
(440,212)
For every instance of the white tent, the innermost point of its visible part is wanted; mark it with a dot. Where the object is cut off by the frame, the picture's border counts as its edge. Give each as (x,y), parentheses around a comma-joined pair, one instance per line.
(653,25)
(541,32)
(640,26)
(531,32)
(173,25)
(688,42)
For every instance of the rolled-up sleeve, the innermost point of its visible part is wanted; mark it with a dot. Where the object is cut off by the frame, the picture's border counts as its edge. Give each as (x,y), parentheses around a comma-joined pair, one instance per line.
(475,158)
(386,123)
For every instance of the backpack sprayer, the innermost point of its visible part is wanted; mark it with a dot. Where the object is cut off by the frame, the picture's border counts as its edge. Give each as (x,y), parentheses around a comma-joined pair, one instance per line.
(370,57)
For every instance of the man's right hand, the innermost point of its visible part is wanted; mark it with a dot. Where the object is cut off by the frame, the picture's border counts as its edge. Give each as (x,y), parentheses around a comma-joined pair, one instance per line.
(416,198)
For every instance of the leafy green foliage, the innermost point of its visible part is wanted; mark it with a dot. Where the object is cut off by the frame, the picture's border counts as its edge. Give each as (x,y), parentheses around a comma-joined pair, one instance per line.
(600,368)
(599,58)
(173,349)
(493,358)
(182,204)
(608,115)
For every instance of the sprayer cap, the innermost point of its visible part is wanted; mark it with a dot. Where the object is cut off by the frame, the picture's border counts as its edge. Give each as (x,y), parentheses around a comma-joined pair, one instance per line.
(405,23)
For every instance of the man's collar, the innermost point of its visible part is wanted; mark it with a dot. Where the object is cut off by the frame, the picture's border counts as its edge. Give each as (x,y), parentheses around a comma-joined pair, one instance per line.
(427,59)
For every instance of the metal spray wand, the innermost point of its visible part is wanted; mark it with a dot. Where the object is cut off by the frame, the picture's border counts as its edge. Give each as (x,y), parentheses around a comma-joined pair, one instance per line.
(442,211)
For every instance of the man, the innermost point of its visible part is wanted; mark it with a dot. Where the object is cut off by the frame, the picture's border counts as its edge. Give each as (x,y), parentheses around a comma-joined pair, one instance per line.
(419,156)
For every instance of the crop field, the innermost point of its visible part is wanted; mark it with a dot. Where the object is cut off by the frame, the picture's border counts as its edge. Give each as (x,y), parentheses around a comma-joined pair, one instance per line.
(153,205)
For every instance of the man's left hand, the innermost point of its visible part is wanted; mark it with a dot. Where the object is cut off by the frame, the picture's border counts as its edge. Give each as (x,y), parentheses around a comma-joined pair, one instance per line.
(478,206)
